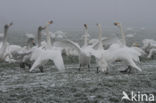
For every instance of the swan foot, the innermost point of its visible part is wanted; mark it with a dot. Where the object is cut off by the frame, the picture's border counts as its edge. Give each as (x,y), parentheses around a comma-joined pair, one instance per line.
(80,68)
(97,70)
(127,70)
(41,69)
(152,56)
(106,72)
(88,67)
(29,65)
(22,65)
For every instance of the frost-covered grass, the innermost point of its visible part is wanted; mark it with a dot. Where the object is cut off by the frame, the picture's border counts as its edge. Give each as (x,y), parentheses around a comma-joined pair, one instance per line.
(19,86)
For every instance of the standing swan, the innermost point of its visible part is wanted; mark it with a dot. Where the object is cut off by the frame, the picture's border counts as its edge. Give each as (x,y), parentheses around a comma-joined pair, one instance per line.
(3,48)
(82,52)
(40,55)
(84,56)
(134,50)
(115,52)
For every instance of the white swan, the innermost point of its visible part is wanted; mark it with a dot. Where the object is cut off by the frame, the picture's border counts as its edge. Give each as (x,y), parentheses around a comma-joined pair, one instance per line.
(151,52)
(135,51)
(40,55)
(149,46)
(23,55)
(5,48)
(10,50)
(82,52)
(115,52)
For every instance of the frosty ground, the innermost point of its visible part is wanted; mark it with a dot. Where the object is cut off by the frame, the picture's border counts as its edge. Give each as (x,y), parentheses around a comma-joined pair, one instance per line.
(19,86)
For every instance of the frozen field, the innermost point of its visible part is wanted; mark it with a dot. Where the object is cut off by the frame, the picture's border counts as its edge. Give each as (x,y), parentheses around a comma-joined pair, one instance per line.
(19,86)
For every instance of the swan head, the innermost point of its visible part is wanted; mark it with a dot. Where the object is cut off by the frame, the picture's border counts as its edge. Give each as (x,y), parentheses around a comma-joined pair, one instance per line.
(40,28)
(135,44)
(116,23)
(6,26)
(33,42)
(50,22)
(86,26)
(99,25)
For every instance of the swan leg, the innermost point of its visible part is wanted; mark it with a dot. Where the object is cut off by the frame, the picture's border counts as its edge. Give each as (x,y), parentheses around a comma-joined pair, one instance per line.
(41,69)
(152,56)
(29,65)
(129,69)
(97,70)
(79,67)
(106,72)
(22,65)
(88,67)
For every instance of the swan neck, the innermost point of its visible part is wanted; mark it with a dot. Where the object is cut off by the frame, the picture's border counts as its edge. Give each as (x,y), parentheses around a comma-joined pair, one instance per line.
(39,38)
(29,43)
(4,44)
(5,36)
(48,37)
(100,37)
(86,38)
(122,35)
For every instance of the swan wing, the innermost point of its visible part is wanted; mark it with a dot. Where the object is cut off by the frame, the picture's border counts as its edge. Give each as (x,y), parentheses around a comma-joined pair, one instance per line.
(66,43)
(58,61)
(107,42)
(14,48)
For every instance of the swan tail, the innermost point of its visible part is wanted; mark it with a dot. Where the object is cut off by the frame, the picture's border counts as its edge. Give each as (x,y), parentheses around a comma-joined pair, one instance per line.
(132,63)
(35,65)
(58,61)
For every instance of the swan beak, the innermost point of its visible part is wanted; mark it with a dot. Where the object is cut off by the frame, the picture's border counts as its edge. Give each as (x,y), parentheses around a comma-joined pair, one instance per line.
(99,25)
(116,23)
(135,44)
(86,26)
(33,42)
(40,28)
(10,24)
(50,22)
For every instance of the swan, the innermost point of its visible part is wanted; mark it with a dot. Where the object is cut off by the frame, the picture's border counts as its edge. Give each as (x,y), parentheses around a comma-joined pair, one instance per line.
(84,56)
(151,52)
(113,53)
(23,55)
(73,48)
(135,51)
(84,52)
(149,46)
(8,52)
(4,53)
(41,55)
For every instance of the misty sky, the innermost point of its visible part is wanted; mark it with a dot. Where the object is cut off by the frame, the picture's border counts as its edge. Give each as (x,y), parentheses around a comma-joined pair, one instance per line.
(28,14)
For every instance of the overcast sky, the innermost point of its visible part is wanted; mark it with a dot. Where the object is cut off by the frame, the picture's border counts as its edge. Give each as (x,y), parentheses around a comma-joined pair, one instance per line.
(28,14)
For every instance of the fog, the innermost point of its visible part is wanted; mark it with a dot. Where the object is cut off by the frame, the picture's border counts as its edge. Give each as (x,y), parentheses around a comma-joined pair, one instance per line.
(27,15)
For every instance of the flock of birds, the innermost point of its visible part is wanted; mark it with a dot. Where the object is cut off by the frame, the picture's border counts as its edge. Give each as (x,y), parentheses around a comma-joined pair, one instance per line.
(105,50)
